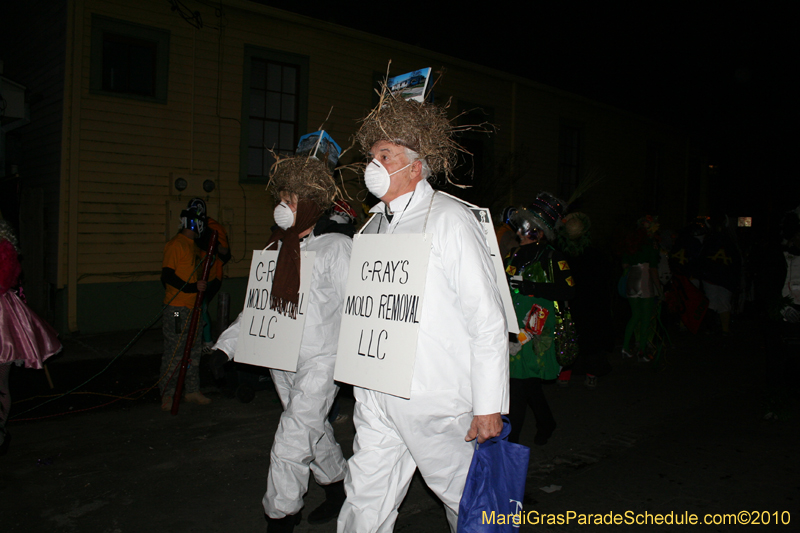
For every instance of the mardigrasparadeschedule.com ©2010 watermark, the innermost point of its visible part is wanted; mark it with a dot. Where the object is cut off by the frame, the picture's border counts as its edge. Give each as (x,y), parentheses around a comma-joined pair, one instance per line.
(633,518)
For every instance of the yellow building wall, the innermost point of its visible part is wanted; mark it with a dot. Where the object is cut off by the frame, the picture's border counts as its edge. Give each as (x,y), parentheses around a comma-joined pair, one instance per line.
(122,154)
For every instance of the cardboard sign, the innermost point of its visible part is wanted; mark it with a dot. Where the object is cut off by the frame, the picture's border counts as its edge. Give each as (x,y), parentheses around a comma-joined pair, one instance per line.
(484,218)
(382,311)
(268,338)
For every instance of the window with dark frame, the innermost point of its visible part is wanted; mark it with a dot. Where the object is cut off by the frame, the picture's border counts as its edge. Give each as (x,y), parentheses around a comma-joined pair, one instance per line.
(129,65)
(274,116)
(129,60)
(274,108)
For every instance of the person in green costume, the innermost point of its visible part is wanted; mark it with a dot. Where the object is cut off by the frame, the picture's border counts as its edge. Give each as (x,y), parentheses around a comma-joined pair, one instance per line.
(643,287)
(539,277)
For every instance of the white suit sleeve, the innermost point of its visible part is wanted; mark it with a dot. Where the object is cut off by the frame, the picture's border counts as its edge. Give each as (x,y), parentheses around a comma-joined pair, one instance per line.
(228,338)
(468,265)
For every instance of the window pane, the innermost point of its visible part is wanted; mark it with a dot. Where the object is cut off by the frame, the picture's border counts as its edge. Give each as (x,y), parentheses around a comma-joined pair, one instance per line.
(287,108)
(287,137)
(129,65)
(273,110)
(256,133)
(289,80)
(258,74)
(129,60)
(256,103)
(115,72)
(271,134)
(254,162)
(275,105)
(143,65)
(273,77)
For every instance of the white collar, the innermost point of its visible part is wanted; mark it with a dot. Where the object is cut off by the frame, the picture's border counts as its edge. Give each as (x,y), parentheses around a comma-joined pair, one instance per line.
(401,203)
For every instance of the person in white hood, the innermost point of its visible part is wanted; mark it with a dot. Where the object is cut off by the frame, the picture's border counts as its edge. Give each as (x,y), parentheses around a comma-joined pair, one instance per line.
(460,382)
(304,442)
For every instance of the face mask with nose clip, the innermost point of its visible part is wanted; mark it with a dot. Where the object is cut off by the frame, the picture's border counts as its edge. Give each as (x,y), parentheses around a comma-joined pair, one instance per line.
(283,215)
(377,178)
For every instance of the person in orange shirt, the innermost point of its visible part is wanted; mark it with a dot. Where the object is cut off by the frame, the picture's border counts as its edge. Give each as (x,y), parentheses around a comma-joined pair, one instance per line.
(223,255)
(180,277)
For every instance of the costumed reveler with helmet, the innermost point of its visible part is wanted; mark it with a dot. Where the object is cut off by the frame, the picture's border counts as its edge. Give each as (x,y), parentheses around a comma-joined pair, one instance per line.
(222,256)
(25,339)
(541,283)
(459,385)
(180,277)
(304,444)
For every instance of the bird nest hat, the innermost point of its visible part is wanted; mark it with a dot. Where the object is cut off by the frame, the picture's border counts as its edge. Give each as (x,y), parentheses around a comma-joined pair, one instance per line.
(420,126)
(303,175)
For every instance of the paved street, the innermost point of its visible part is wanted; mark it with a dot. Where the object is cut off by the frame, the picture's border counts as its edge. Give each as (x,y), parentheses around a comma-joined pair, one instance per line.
(688,439)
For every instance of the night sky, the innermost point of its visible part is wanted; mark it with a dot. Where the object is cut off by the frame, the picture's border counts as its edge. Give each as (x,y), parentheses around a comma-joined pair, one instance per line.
(721,73)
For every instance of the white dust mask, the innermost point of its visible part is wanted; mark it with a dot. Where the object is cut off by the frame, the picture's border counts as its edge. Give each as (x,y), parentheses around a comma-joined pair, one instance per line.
(284,217)
(377,178)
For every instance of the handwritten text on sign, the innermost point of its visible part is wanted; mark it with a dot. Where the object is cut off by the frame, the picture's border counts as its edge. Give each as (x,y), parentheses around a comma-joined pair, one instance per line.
(268,338)
(382,310)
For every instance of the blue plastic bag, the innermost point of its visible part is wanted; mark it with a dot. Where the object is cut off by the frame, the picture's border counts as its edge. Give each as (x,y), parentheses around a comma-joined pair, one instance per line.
(495,486)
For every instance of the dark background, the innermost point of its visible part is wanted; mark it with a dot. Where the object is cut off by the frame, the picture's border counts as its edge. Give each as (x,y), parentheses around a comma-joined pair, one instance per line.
(719,72)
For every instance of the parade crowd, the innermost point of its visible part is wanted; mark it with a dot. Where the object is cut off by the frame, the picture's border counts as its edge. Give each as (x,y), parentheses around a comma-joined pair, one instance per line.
(472,368)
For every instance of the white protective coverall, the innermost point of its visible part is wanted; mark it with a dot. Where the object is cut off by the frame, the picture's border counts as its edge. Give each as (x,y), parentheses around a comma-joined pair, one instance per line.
(461,370)
(304,440)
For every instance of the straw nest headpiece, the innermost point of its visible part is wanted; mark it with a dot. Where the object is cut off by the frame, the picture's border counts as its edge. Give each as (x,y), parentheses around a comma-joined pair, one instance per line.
(306,176)
(422,127)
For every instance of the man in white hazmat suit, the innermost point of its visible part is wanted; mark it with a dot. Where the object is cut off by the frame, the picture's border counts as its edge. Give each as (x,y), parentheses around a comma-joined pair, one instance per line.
(460,382)
(304,441)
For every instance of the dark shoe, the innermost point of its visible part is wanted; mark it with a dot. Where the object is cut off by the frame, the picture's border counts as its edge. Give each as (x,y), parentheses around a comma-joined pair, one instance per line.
(329,509)
(543,435)
(245,393)
(217,361)
(282,525)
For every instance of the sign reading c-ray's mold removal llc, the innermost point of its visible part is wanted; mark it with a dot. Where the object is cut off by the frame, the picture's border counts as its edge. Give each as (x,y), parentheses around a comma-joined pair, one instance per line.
(268,338)
(382,311)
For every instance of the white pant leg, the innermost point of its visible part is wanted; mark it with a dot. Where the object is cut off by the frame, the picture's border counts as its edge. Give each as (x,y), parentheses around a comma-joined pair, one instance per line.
(304,440)
(433,426)
(393,437)
(379,472)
